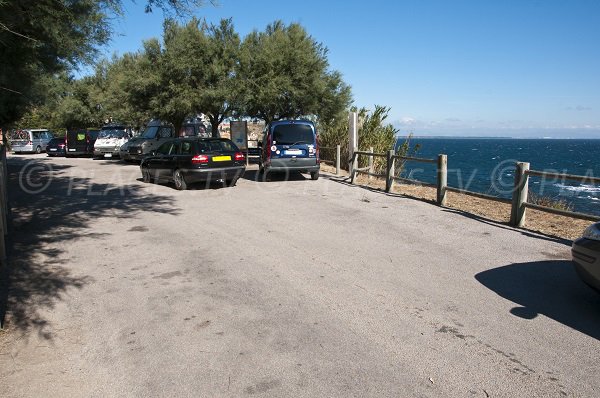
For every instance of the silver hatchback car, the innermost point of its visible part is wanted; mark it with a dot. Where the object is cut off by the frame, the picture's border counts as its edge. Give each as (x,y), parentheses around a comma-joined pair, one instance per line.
(586,256)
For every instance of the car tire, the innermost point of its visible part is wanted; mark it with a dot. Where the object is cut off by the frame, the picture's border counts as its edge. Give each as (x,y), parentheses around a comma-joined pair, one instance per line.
(146,176)
(38,150)
(314,175)
(179,180)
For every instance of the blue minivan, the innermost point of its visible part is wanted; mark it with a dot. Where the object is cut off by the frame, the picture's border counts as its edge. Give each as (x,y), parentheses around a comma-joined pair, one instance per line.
(290,145)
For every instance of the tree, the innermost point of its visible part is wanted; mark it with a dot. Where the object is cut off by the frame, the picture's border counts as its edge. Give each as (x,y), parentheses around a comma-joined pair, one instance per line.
(39,38)
(285,74)
(181,67)
(220,96)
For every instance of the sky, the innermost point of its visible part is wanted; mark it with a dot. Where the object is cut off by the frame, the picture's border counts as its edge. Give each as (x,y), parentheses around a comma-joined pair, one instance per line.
(519,68)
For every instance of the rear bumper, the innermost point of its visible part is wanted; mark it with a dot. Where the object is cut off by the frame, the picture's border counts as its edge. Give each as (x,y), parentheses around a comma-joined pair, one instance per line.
(586,259)
(106,151)
(77,153)
(226,173)
(23,148)
(57,152)
(306,165)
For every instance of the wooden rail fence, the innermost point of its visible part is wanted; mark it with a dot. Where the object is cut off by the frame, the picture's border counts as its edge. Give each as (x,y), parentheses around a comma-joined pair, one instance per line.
(519,203)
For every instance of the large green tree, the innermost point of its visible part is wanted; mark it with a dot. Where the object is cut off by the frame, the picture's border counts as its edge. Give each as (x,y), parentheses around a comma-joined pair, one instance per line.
(220,96)
(285,74)
(39,38)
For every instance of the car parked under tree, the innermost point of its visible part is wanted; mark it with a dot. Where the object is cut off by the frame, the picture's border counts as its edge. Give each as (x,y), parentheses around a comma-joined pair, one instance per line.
(186,161)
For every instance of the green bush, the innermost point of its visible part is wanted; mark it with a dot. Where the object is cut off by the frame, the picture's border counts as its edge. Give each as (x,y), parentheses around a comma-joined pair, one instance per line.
(373,132)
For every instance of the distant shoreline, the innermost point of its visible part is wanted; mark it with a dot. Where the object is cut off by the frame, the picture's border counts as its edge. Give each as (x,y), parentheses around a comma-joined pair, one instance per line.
(458,137)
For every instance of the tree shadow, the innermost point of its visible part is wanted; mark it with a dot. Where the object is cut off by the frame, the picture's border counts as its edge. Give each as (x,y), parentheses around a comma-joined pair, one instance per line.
(550,288)
(48,206)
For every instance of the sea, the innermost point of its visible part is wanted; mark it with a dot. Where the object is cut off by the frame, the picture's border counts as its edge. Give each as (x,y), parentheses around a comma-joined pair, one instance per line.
(487,165)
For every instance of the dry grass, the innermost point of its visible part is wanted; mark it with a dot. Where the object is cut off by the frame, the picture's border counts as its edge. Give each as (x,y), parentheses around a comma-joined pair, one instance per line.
(537,221)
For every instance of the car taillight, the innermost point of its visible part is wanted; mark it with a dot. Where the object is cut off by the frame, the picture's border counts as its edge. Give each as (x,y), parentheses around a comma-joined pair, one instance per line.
(30,143)
(268,146)
(317,150)
(239,157)
(61,145)
(199,159)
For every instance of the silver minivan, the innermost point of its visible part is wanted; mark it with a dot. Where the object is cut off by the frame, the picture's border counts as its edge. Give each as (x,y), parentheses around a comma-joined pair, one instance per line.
(30,140)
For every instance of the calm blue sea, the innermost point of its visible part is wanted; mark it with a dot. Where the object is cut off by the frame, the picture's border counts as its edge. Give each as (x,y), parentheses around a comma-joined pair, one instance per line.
(487,166)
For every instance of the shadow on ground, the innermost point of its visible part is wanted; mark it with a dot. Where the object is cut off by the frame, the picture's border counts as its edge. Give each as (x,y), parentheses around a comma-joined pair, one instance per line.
(549,288)
(255,176)
(49,211)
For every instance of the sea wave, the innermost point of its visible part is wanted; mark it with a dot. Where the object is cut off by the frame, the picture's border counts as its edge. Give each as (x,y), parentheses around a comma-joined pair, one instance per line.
(579,188)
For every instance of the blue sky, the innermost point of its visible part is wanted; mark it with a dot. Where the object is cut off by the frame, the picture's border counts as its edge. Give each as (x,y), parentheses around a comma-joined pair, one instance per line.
(457,67)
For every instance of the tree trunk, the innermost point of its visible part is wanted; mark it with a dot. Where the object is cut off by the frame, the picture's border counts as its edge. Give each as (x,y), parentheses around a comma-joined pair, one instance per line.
(214,121)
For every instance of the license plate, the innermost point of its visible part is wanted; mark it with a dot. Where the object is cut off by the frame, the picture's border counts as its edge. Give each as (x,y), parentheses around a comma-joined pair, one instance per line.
(221,158)
(72,150)
(293,152)
(108,155)
(52,149)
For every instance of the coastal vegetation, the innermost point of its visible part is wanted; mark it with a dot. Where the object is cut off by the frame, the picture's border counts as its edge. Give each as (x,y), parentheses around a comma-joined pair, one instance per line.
(373,132)
(549,201)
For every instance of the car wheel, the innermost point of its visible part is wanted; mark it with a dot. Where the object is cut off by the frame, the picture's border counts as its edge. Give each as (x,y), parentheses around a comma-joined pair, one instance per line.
(179,180)
(146,175)
(314,175)
(38,150)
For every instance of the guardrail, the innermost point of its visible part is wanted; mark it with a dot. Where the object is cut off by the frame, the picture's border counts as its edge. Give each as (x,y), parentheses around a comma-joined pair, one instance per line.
(3,204)
(518,203)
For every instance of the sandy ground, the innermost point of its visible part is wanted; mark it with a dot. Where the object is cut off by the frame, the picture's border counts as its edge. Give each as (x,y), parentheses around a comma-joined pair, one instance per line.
(537,221)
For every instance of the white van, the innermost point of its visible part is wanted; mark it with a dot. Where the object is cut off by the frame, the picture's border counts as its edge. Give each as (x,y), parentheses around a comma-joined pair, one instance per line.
(31,140)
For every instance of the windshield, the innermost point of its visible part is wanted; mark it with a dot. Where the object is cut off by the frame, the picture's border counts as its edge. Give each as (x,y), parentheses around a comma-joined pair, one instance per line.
(150,132)
(117,133)
(290,134)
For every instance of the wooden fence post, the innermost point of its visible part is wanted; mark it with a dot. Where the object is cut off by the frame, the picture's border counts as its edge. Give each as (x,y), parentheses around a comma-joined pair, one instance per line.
(371,170)
(520,193)
(337,159)
(442,179)
(389,179)
(353,165)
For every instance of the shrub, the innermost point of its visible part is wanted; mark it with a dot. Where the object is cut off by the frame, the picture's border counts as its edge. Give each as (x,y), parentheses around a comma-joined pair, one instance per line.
(548,201)
(372,132)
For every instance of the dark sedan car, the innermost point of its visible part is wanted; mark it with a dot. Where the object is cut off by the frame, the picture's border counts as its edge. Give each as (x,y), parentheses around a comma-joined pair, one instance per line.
(186,161)
(586,256)
(56,147)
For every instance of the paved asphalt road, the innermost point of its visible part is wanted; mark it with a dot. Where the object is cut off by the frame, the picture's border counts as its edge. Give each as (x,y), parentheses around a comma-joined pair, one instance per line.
(286,288)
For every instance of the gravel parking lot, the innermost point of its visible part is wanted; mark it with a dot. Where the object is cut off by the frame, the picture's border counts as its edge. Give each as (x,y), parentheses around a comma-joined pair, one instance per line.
(292,288)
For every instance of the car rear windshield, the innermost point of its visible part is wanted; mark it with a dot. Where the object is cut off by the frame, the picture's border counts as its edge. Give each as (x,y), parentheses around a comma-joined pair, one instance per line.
(290,134)
(216,146)
(55,141)
(117,133)
(18,135)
